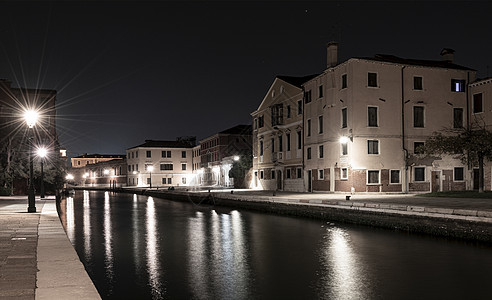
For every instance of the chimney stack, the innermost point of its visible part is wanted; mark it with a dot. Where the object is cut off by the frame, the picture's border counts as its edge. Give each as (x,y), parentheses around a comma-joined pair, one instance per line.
(447,55)
(331,54)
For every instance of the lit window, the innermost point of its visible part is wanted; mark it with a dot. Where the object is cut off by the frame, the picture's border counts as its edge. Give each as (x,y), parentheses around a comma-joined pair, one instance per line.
(457,85)
(372,176)
(459,174)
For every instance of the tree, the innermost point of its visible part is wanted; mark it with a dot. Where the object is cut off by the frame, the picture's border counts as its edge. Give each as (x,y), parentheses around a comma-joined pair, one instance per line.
(239,170)
(471,145)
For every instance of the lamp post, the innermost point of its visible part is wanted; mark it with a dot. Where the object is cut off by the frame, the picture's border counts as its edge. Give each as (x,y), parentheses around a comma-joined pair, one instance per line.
(31,116)
(150,169)
(42,152)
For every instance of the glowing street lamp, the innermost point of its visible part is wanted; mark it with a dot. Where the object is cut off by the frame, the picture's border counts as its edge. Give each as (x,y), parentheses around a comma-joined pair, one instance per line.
(236,157)
(42,152)
(31,117)
(150,169)
(344,139)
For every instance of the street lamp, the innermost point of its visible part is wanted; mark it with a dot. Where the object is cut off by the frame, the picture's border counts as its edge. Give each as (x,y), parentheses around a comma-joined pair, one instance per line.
(42,152)
(150,169)
(106,172)
(31,116)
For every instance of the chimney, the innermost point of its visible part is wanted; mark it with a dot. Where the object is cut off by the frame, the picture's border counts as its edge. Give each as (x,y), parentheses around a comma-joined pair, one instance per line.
(331,54)
(447,55)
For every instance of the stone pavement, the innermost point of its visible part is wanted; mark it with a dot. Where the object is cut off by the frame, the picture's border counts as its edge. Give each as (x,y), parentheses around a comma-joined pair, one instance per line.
(37,261)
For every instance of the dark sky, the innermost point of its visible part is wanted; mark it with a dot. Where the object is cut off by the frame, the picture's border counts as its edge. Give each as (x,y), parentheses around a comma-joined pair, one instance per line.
(126,71)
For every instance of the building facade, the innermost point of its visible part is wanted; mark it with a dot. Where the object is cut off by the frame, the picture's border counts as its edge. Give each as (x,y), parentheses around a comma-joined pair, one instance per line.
(107,173)
(157,164)
(87,159)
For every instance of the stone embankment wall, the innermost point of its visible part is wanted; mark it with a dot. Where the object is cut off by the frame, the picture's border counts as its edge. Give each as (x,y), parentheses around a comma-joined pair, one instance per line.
(463,224)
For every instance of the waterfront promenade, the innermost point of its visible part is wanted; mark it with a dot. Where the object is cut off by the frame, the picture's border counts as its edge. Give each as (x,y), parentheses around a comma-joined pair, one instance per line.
(37,261)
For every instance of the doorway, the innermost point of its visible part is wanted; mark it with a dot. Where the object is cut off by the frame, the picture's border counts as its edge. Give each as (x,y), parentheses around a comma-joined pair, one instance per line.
(436,181)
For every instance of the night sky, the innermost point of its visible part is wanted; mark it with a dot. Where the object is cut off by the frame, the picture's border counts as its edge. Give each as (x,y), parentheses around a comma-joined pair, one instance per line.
(129,71)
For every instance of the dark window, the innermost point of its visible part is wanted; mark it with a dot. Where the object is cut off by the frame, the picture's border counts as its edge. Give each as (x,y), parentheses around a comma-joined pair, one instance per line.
(320,150)
(344,149)
(458,117)
(418,116)
(168,153)
(344,81)
(395,176)
(299,173)
(183,167)
(344,173)
(320,124)
(261,121)
(419,173)
(372,116)
(307,96)
(183,154)
(163,180)
(166,167)
(477,103)
(261,175)
(373,176)
(457,85)
(299,140)
(417,83)
(288,111)
(287,135)
(320,91)
(372,79)
(287,174)
(273,144)
(309,153)
(418,147)
(148,153)
(280,144)
(308,127)
(169,181)
(372,147)
(344,117)
(163,154)
(261,148)
(277,114)
(299,107)
(459,174)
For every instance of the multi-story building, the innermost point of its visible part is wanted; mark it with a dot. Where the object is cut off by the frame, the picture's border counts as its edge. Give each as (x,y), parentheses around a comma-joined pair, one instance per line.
(87,159)
(217,153)
(107,173)
(365,118)
(161,163)
(277,136)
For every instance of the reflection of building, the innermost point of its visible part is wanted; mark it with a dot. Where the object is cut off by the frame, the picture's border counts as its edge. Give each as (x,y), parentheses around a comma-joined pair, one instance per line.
(277,136)
(161,163)
(86,159)
(384,107)
(217,151)
(107,173)
(14,131)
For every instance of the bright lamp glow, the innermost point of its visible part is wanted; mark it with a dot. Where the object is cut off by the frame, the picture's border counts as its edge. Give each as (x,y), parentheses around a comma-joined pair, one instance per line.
(69,177)
(344,139)
(106,172)
(150,168)
(236,157)
(42,152)
(31,117)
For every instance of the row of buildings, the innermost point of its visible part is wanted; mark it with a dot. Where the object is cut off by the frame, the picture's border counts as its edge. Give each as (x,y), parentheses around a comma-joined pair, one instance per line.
(355,127)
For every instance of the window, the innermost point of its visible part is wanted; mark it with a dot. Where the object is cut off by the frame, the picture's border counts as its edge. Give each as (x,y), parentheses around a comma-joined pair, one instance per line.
(148,153)
(136,154)
(148,180)
(321,174)
(277,113)
(256,123)
(183,180)
(418,147)
(344,148)
(419,174)
(288,111)
(372,116)
(459,174)
(299,173)
(417,83)
(129,168)
(372,176)
(262,174)
(344,117)
(261,121)
(394,176)
(261,148)
(273,174)
(372,147)
(183,154)
(166,167)
(320,124)
(183,167)
(164,180)
(169,181)
(418,116)
(163,154)
(372,79)
(477,103)
(309,153)
(307,96)
(457,117)
(308,127)
(299,107)
(273,144)
(280,144)
(320,91)
(457,85)
(287,173)
(344,173)
(133,154)
(299,140)
(344,81)
(320,151)
(287,135)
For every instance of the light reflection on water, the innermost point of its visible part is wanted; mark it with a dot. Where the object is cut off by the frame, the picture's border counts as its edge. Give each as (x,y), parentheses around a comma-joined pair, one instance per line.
(144,248)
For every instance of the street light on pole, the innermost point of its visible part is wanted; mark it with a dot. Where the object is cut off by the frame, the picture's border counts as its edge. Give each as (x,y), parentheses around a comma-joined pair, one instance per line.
(31,117)
(42,152)
(150,169)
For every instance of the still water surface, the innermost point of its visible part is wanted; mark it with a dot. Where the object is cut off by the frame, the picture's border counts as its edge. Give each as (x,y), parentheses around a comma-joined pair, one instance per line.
(138,247)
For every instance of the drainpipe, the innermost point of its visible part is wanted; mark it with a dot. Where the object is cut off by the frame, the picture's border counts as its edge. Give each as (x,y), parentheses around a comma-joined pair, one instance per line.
(405,151)
(302,136)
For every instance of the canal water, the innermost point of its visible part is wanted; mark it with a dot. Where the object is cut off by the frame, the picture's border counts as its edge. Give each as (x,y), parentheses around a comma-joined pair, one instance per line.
(139,247)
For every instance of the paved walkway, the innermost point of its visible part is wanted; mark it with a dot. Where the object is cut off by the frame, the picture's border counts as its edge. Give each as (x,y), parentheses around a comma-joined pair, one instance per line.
(37,261)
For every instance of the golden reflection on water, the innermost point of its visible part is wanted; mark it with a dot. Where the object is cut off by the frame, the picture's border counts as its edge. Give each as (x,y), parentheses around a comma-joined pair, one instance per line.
(70,220)
(108,249)
(197,252)
(153,263)
(87,226)
(136,233)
